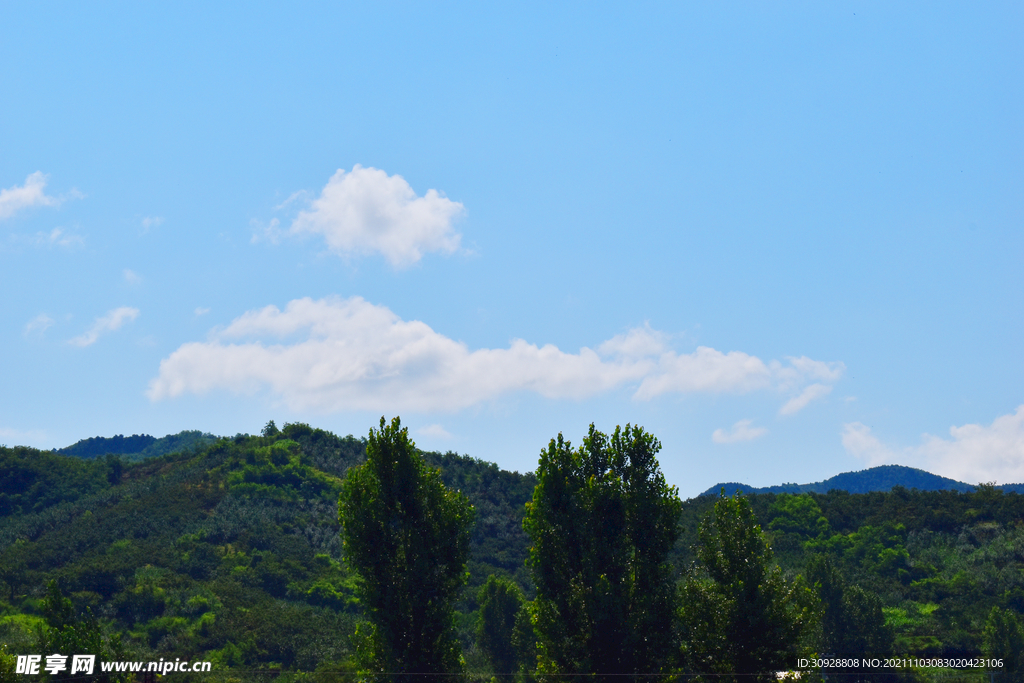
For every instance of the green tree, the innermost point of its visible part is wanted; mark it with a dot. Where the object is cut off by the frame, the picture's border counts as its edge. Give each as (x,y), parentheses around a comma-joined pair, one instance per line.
(8,664)
(601,523)
(407,536)
(797,514)
(69,634)
(851,620)
(739,616)
(1004,639)
(502,614)
(13,567)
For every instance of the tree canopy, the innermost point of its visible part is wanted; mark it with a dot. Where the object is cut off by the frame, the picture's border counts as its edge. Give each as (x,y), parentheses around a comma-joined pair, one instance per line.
(407,537)
(740,616)
(601,524)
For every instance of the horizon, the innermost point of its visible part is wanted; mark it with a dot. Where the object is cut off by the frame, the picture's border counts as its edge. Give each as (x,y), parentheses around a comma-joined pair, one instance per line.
(531,471)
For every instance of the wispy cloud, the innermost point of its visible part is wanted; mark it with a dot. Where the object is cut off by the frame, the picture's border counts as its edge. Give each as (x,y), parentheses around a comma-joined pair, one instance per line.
(18,197)
(149,222)
(974,453)
(31,193)
(271,232)
(861,443)
(298,196)
(108,323)
(434,430)
(367,211)
(59,238)
(201,311)
(344,354)
(38,324)
(799,402)
(131,277)
(741,431)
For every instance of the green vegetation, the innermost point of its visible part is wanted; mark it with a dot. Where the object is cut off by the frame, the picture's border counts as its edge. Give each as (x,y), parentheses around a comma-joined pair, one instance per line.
(138,446)
(601,524)
(232,551)
(504,632)
(407,537)
(740,617)
(71,633)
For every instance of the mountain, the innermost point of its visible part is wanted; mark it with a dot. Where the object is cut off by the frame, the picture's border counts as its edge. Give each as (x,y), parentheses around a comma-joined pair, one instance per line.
(137,446)
(231,552)
(882,478)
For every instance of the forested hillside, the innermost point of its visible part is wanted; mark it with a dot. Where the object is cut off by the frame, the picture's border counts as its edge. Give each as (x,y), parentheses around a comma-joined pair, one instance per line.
(939,561)
(231,552)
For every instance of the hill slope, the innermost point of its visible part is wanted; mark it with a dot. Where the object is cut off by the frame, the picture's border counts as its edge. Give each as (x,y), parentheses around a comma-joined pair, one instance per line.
(231,553)
(882,478)
(137,446)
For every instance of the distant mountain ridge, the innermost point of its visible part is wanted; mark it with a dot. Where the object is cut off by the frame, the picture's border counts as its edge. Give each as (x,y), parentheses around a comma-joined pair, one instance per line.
(881,478)
(137,446)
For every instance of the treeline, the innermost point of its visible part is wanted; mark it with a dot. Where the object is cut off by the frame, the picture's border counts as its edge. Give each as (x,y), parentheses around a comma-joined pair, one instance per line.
(137,446)
(233,552)
(601,523)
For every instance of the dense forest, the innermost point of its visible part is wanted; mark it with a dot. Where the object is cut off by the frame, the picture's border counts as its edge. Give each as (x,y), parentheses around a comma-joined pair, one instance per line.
(231,550)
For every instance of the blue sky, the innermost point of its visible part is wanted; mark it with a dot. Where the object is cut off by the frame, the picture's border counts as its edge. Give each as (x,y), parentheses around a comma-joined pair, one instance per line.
(785,238)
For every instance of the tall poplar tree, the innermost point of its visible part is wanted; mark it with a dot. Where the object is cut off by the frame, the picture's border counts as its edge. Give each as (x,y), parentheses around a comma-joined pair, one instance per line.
(503,625)
(407,536)
(601,524)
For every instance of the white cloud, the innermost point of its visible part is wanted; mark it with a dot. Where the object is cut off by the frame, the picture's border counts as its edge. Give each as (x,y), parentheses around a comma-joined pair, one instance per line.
(861,443)
(38,324)
(741,431)
(359,356)
(974,453)
(298,196)
(266,233)
(131,277)
(58,238)
(201,311)
(151,222)
(637,343)
(107,323)
(826,372)
(16,198)
(368,211)
(705,369)
(798,403)
(347,354)
(434,430)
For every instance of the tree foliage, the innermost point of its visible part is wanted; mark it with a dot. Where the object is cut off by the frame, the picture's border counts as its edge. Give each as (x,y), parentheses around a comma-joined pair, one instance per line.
(740,617)
(8,664)
(1004,639)
(503,615)
(852,624)
(601,523)
(407,536)
(70,634)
